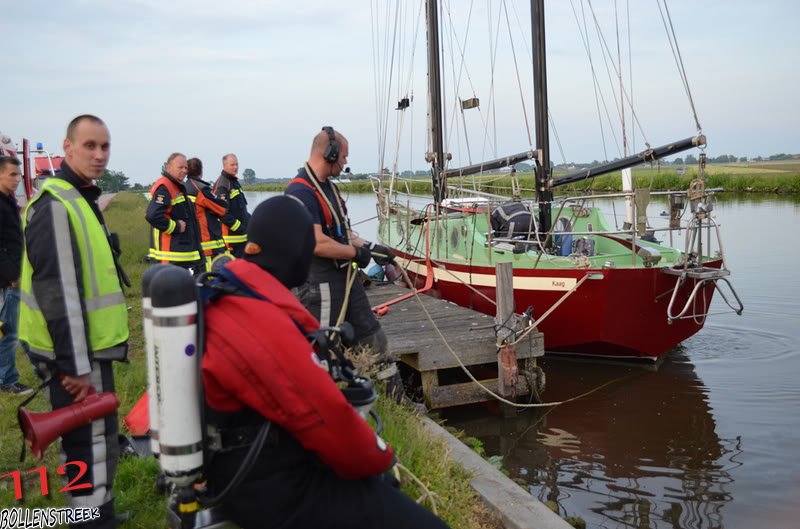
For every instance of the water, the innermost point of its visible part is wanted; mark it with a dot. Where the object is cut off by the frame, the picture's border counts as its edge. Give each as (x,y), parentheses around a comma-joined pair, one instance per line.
(709,439)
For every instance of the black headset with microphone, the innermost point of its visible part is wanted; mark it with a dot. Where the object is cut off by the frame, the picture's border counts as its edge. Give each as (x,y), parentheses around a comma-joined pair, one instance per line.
(331,154)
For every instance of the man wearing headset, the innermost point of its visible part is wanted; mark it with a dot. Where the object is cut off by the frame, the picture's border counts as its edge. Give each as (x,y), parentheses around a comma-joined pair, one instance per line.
(333,293)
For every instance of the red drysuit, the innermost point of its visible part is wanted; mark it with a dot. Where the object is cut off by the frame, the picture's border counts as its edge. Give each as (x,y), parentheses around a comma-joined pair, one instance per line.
(256,357)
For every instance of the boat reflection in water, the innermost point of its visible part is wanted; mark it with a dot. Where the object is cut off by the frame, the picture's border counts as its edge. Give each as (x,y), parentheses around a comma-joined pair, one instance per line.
(641,452)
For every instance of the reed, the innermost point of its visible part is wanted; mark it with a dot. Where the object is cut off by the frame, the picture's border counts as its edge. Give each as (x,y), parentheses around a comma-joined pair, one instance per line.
(769,178)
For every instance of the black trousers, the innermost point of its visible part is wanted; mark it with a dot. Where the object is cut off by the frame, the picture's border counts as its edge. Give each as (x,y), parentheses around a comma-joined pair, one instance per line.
(288,488)
(323,296)
(96,445)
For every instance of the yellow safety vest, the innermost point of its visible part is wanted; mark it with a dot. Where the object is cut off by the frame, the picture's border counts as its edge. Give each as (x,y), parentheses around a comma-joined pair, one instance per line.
(106,310)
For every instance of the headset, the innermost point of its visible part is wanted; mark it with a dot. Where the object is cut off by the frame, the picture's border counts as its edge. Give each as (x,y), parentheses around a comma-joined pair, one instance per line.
(331,154)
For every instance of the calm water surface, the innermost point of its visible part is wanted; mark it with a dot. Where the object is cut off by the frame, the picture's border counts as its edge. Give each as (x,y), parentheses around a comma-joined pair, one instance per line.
(708,440)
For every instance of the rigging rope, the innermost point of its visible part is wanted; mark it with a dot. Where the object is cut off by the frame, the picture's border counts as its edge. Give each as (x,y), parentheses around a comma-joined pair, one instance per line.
(584,32)
(519,81)
(630,67)
(493,47)
(605,53)
(389,83)
(619,76)
(550,118)
(676,52)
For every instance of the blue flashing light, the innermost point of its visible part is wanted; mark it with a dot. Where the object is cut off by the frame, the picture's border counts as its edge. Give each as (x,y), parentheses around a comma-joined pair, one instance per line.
(39,146)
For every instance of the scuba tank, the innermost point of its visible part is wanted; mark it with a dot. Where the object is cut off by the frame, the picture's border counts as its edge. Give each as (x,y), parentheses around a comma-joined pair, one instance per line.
(147,325)
(174,329)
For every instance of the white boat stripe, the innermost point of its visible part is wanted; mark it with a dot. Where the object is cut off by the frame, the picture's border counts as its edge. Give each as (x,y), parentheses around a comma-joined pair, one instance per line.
(556,284)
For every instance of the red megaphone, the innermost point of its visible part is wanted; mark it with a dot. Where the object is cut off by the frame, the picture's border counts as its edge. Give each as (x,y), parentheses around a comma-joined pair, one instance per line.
(41,429)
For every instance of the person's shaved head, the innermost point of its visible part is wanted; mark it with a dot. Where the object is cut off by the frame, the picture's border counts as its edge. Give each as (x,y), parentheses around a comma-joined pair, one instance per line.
(80,119)
(87,147)
(322,139)
(321,167)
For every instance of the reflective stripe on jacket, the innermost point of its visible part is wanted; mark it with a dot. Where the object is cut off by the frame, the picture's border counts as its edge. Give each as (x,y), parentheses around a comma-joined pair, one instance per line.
(234,222)
(208,210)
(95,303)
(169,204)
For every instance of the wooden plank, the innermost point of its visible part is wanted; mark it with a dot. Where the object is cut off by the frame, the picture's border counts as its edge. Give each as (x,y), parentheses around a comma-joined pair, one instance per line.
(431,353)
(466,393)
(417,315)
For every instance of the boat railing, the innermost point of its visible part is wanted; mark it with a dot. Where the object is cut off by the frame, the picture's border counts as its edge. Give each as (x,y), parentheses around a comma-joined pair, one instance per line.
(700,264)
(634,236)
(694,269)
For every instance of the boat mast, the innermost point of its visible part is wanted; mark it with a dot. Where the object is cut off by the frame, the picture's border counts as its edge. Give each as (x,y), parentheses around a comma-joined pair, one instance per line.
(435,132)
(544,194)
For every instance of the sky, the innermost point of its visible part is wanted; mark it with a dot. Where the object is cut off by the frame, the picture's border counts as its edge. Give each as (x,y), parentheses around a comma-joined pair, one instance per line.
(260,77)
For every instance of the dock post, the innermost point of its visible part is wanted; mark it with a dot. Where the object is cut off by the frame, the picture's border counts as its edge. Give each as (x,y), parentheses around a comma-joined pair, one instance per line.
(506,323)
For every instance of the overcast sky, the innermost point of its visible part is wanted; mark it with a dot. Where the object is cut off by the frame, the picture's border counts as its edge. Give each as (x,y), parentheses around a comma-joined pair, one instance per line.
(260,77)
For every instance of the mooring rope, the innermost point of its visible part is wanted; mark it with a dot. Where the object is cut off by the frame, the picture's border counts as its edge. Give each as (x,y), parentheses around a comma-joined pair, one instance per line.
(484,388)
(549,311)
(427,493)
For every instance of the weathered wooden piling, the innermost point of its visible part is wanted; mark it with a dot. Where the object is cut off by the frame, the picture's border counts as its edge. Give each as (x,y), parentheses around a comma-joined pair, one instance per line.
(507,372)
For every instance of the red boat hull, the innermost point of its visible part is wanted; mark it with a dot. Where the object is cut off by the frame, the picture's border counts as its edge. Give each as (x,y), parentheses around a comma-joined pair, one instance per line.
(618,312)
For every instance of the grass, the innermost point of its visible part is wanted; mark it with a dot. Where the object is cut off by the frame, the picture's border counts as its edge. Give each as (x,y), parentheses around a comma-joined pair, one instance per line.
(764,177)
(134,486)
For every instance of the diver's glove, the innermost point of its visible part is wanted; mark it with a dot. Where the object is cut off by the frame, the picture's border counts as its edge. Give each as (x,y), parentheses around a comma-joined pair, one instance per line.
(363,256)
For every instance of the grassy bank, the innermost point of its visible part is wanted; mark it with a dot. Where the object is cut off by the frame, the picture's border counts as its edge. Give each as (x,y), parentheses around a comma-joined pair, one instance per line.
(134,490)
(773,177)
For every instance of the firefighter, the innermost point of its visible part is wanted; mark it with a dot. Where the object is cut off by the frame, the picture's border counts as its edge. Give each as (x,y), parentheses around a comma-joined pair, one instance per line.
(228,189)
(331,293)
(73,312)
(175,237)
(322,466)
(208,209)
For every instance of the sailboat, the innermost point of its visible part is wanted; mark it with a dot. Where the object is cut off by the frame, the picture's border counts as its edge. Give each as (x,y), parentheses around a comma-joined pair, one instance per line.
(592,288)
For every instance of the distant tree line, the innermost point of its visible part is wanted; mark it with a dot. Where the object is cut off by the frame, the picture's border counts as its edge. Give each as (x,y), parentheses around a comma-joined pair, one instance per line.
(115,181)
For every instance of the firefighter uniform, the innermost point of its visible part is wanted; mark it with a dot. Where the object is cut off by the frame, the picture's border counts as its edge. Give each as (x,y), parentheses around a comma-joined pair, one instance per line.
(170,203)
(325,291)
(234,222)
(74,316)
(209,211)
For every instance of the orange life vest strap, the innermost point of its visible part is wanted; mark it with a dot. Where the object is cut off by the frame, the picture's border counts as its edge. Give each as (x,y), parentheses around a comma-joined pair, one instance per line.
(325,210)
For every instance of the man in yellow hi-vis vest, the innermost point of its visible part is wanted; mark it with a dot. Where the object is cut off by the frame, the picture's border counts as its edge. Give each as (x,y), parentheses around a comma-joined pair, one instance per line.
(73,312)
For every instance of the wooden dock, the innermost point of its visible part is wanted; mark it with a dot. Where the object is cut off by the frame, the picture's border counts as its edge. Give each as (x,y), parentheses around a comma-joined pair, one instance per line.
(414,340)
